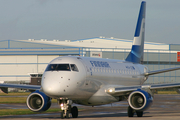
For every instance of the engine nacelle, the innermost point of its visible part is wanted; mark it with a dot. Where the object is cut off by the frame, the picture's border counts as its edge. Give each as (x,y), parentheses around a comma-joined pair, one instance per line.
(140,100)
(38,101)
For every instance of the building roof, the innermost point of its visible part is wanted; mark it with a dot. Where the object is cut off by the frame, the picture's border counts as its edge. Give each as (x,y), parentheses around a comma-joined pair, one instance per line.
(99,42)
(76,47)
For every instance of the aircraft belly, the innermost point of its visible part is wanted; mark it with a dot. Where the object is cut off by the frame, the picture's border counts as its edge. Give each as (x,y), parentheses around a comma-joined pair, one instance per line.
(85,90)
(98,98)
(101,100)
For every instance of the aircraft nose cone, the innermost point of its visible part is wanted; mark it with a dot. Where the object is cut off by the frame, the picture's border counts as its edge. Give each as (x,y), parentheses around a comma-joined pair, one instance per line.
(49,87)
(56,84)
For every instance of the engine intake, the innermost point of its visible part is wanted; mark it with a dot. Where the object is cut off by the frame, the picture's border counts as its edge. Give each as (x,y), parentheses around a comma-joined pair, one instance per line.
(140,100)
(38,101)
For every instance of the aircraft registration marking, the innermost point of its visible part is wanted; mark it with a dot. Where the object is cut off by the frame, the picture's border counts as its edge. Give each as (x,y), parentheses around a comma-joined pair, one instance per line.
(130,67)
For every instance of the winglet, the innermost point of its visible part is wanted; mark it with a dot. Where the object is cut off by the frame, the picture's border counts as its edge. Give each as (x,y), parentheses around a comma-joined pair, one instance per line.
(137,50)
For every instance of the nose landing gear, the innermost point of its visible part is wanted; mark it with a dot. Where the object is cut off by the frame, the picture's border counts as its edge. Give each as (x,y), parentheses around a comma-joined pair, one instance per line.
(67,109)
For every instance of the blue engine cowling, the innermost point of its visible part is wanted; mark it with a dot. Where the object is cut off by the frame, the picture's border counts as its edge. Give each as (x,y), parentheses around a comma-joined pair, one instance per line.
(140,100)
(38,101)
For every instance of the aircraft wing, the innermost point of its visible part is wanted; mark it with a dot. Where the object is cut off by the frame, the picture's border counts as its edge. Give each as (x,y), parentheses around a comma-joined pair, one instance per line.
(121,91)
(4,87)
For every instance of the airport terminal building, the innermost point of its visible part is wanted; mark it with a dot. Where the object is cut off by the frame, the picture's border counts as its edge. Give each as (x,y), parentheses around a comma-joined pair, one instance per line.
(20,60)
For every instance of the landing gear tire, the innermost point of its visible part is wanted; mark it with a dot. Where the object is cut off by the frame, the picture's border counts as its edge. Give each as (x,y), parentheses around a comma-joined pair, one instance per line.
(139,113)
(74,112)
(67,114)
(130,112)
(64,115)
(66,108)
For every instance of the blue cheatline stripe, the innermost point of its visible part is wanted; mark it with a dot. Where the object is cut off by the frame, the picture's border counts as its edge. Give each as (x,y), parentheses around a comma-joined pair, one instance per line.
(73,51)
(14,75)
(162,76)
(23,63)
(42,54)
(141,16)
(42,48)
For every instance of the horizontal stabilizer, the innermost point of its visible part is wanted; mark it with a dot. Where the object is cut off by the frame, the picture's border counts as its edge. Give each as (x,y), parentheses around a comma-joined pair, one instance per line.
(161,71)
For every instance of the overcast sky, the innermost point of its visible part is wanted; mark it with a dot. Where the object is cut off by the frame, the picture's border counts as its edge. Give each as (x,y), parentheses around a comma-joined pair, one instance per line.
(81,19)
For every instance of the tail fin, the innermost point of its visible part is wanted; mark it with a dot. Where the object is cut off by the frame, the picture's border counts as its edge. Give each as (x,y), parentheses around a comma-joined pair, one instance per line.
(137,50)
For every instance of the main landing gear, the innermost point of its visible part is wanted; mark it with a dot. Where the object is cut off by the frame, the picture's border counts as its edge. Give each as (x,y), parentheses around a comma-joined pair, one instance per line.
(67,109)
(132,111)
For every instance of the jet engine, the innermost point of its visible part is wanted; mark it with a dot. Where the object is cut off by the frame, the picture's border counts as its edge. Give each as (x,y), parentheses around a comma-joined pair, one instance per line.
(38,101)
(140,100)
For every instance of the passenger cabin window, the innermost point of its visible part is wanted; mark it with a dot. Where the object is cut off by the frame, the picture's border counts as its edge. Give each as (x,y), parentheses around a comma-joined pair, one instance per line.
(74,67)
(58,67)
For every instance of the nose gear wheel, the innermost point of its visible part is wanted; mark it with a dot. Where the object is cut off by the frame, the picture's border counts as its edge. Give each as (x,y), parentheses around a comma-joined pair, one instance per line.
(67,109)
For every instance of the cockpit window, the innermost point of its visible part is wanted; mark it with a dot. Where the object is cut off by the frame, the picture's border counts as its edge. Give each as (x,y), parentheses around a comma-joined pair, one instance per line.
(58,67)
(74,67)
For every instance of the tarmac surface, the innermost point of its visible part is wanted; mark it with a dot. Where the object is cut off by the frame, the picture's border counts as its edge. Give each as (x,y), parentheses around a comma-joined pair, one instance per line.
(165,107)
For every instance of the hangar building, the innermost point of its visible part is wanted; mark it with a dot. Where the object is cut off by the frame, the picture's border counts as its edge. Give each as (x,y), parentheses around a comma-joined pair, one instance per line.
(21,58)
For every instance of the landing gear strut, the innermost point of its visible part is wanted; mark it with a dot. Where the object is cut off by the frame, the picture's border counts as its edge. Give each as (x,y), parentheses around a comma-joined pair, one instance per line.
(66,109)
(132,111)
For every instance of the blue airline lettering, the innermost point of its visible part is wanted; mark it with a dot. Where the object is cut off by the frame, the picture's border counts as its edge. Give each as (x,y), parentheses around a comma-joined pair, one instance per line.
(99,64)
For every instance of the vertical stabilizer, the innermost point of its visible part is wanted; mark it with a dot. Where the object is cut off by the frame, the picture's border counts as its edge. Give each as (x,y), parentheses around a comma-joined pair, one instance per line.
(137,50)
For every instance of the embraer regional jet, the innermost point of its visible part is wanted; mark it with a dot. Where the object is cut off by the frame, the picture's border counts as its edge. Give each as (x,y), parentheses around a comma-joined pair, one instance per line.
(96,81)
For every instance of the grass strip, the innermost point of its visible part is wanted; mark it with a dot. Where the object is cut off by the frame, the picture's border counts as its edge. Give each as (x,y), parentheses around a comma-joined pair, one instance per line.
(16,94)
(4,112)
(15,100)
(12,100)
(167,92)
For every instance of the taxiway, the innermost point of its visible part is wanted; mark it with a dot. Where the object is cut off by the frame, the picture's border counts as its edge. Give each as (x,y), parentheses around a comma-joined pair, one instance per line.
(165,107)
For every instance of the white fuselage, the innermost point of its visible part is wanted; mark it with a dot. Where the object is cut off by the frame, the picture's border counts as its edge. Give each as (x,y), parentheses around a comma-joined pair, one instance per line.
(87,85)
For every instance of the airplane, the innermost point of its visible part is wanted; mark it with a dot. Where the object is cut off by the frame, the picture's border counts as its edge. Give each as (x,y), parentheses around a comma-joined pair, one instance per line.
(97,81)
